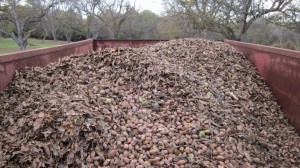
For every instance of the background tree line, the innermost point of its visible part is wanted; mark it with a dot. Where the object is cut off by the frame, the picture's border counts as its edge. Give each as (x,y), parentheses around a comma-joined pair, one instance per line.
(268,22)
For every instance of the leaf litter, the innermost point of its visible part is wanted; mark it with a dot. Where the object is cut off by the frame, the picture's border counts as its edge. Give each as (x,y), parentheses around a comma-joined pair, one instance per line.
(181,103)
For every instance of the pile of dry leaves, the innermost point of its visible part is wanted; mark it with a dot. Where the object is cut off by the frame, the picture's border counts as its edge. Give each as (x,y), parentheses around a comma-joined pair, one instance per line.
(181,103)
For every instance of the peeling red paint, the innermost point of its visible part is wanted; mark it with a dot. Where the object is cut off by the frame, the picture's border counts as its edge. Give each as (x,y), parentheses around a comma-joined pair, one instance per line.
(281,69)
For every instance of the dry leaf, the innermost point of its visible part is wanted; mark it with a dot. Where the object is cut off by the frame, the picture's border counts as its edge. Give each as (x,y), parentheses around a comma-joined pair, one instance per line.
(240,148)
(248,157)
(21,122)
(41,115)
(70,158)
(37,124)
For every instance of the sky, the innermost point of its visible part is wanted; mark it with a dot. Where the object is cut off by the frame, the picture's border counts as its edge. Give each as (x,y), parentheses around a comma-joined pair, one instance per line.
(155,6)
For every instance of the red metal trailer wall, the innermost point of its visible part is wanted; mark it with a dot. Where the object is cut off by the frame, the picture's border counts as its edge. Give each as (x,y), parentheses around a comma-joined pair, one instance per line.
(9,63)
(281,69)
(100,44)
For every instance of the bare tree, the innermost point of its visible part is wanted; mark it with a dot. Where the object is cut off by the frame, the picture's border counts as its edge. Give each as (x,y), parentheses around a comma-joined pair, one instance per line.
(88,9)
(46,34)
(232,18)
(104,16)
(70,21)
(113,14)
(24,19)
(251,10)
(289,18)
(51,22)
(148,22)
(203,14)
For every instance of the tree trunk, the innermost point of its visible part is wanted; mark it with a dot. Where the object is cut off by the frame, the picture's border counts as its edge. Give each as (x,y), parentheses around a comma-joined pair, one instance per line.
(111,34)
(45,34)
(54,38)
(204,33)
(242,30)
(245,12)
(95,35)
(23,45)
(68,36)
(117,31)
(44,38)
(88,35)
(21,41)
(281,37)
(54,34)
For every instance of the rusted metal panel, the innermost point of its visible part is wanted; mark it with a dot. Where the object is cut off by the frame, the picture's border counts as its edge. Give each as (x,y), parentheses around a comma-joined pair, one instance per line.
(101,44)
(281,69)
(9,63)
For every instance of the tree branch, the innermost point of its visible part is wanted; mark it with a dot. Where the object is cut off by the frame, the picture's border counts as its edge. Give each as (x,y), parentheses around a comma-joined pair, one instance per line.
(4,32)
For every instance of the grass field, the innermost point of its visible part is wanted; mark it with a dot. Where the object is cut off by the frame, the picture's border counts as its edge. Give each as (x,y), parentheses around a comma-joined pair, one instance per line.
(7,45)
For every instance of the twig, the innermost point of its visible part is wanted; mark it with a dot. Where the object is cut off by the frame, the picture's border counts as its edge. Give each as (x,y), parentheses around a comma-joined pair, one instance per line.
(233,96)
(82,157)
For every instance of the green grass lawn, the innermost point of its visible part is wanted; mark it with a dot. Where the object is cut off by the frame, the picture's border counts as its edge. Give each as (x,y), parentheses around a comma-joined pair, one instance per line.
(7,45)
